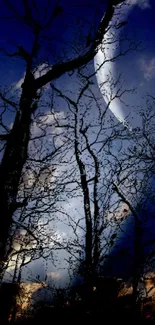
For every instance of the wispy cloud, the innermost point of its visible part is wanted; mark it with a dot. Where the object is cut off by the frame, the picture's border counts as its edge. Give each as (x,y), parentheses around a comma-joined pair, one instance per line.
(47,124)
(147,66)
(54,275)
(38,72)
(143,4)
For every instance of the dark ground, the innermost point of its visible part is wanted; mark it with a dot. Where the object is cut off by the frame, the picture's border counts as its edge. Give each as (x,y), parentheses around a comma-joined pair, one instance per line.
(84,304)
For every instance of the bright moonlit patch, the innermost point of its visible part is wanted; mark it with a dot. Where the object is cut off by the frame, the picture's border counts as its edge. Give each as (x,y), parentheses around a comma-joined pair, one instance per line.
(104,65)
(105,71)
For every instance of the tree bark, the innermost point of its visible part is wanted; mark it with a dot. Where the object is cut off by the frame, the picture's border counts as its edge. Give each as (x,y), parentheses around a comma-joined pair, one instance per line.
(87,210)
(11,167)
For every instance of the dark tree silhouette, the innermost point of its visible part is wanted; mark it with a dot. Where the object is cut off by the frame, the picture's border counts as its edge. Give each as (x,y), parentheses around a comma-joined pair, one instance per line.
(17,140)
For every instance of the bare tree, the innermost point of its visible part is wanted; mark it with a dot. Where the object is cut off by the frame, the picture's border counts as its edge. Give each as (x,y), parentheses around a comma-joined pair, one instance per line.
(133,183)
(32,235)
(17,139)
(89,178)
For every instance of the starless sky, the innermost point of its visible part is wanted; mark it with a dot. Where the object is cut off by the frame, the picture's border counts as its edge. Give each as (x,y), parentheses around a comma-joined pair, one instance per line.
(77,18)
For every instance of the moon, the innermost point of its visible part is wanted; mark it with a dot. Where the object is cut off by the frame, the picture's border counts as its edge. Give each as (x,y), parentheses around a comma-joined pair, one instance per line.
(104,65)
(105,71)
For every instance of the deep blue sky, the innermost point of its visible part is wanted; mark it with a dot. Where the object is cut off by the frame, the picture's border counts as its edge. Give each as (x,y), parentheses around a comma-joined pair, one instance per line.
(77,19)
(73,24)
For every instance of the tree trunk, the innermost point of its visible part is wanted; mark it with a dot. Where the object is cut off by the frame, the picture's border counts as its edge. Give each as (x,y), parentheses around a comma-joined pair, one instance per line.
(11,167)
(138,263)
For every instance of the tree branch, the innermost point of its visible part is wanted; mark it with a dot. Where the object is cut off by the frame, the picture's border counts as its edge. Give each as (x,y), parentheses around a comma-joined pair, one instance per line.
(4,137)
(8,101)
(61,68)
(116,189)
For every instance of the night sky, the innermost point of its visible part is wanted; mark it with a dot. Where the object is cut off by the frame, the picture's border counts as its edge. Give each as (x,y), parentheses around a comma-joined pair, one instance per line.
(77,21)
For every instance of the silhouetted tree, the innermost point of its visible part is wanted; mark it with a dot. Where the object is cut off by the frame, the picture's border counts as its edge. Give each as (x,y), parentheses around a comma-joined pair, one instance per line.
(133,182)
(89,178)
(15,150)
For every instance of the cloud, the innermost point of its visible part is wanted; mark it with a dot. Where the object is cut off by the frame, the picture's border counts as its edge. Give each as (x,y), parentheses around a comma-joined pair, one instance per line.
(20,82)
(54,275)
(47,124)
(44,178)
(143,4)
(148,68)
(49,118)
(38,72)
(41,70)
